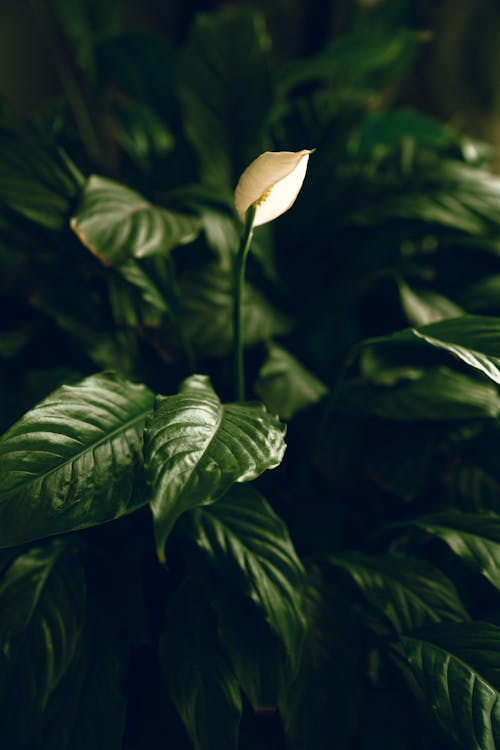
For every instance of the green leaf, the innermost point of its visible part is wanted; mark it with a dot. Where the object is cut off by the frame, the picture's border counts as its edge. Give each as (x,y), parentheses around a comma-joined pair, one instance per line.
(198,674)
(474,537)
(196,448)
(74,460)
(42,598)
(248,544)
(207,305)
(409,592)
(458,670)
(226,92)
(88,708)
(387,128)
(321,706)
(37,180)
(473,339)
(285,385)
(115,223)
(426,305)
(436,394)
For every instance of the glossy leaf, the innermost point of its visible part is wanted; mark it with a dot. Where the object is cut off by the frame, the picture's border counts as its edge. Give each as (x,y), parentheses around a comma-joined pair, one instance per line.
(196,448)
(115,223)
(285,385)
(409,593)
(248,544)
(474,537)
(226,92)
(198,674)
(73,461)
(458,670)
(42,598)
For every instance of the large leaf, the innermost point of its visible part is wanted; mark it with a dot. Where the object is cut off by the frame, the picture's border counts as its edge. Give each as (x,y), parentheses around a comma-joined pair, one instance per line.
(42,597)
(116,223)
(198,673)
(285,385)
(73,461)
(458,670)
(474,339)
(196,448)
(249,545)
(207,305)
(475,537)
(37,181)
(226,92)
(425,305)
(410,593)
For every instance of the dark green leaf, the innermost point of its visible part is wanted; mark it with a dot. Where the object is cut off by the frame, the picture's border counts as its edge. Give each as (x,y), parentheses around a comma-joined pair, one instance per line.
(196,448)
(458,670)
(226,91)
(474,339)
(74,460)
(426,305)
(248,544)
(37,181)
(475,537)
(42,597)
(198,674)
(116,223)
(207,304)
(409,592)
(436,394)
(387,128)
(285,385)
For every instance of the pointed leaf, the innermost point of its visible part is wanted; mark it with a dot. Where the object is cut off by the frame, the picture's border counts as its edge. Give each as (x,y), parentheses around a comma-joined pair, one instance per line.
(198,674)
(458,670)
(196,448)
(73,461)
(408,592)
(426,305)
(115,223)
(249,545)
(42,596)
(475,537)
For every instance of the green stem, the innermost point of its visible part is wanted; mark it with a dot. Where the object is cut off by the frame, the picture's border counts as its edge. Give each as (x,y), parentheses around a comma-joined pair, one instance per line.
(239,281)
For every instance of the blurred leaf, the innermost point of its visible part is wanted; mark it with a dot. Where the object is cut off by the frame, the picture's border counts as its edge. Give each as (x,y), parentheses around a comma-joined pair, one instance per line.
(284,385)
(143,135)
(457,667)
(116,223)
(198,674)
(42,599)
(249,544)
(483,296)
(196,448)
(425,305)
(73,461)
(437,393)
(207,305)
(387,128)
(356,60)
(225,86)
(14,340)
(474,537)
(37,180)
(408,592)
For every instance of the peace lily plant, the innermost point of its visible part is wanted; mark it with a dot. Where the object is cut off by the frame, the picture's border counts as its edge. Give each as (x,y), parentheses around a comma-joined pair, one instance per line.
(267,188)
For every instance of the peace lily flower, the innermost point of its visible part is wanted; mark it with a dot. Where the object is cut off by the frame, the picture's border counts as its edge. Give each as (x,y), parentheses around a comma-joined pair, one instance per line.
(271,184)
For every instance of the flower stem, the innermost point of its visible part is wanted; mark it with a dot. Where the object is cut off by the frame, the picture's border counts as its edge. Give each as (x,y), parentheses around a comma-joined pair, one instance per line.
(239,281)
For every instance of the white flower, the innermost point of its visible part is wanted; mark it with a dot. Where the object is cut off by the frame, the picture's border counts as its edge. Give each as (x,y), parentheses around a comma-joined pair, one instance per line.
(271,183)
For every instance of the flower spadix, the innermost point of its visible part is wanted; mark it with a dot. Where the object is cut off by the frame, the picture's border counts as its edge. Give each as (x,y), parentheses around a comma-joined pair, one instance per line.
(271,184)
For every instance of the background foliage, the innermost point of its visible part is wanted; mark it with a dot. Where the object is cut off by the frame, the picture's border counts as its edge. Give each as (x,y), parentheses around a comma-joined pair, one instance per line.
(158,586)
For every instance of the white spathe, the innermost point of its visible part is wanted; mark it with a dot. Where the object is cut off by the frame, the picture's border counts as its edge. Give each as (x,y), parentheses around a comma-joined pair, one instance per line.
(271,183)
